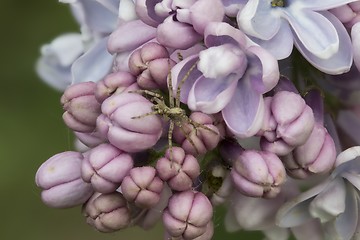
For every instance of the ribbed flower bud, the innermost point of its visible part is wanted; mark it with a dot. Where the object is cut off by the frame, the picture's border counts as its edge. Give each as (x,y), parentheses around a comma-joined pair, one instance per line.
(115,83)
(60,180)
(142,187)
(258,174)
(81,107)
(187,215)
(107,212)
(125,123)
(178,169)
(204,135)
(105,166)
(151,64)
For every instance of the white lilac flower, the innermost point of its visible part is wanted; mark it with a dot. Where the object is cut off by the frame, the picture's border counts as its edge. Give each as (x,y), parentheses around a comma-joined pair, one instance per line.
(278,25)
(73,58)
(335,202)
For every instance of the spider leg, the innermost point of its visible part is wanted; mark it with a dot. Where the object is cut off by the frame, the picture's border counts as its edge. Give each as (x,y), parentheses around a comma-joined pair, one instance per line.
(199,125)
(147,92)
(178,89)
(170,87)
(145,115)
(170,131)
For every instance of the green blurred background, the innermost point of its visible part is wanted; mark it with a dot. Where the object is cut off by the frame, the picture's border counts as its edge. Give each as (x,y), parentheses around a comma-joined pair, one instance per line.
(31,130)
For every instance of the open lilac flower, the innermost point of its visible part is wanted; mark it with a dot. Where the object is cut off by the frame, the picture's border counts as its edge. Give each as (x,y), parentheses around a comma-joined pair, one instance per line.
(277,25)
(335,202)
(230,77)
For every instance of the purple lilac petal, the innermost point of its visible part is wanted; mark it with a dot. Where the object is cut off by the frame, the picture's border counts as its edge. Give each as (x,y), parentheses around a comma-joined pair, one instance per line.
(353,178)
(281,45)
(296,211)
(338,63)
(145,9)
(232,7)
(330,202)
(127,11)
(355,35)
(323,44)
(318,5)
(244,113)
(212,95)
(219,33)
(256,19)
(93,65)
(124,39)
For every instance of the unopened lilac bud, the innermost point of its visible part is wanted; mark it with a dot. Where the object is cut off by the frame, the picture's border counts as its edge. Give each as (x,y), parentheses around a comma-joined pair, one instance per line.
(187,215)
(107,212)
(60,179)
(105,166)
(127,123)
(295,119)
(224,191)
(115,83)
(91,139)
(208,234)
(317,155)
(177,169)
(203,134)
(151,64)
(142,187)
(81,107)
(258,174)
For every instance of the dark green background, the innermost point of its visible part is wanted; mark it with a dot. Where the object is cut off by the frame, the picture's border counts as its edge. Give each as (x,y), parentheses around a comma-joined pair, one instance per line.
(31,129)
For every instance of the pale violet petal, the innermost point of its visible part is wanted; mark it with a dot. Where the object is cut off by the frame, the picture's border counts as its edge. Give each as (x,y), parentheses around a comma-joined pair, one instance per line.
(257,19)
(348,154)
(211,95)
(219,33)
(339,62)
(311,229)
(353,178)
(330,202)
(244,113)
(95,64)
(323,44)
(318,5)
(127,11)
(276,233)
(355,35)
(281,45)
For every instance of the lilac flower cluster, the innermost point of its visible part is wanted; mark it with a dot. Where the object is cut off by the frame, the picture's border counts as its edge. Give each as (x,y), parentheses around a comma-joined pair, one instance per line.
(181,106)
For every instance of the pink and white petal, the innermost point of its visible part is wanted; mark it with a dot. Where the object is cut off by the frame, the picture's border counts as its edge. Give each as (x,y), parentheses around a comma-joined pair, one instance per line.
(355,35)
(244,113)
(95,64)
(145,9)
(127,11)
(256,20)
(126,36)
(318,5)
(341,61)
(210,95)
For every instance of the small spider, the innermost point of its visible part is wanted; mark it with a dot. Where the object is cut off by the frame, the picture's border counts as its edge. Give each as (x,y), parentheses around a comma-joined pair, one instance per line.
(173,112)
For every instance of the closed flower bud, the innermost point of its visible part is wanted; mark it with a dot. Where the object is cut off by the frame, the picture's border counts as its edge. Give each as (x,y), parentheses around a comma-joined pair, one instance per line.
(107,212)
(142,187)
(187,215)
(90,139)
(151,64)
(81,107)
(105,166)
(115,83)
(125,123)
(60,179)
(177,169)
(258,174)
(317,155)
(204,135)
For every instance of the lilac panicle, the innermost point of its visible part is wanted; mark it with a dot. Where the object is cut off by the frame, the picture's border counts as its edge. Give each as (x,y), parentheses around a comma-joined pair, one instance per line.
(258,174)
(81,107)
(180,171)
(60,180)
(107,212)
(142,187)
(123,126)
(187,215)
(105,166)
